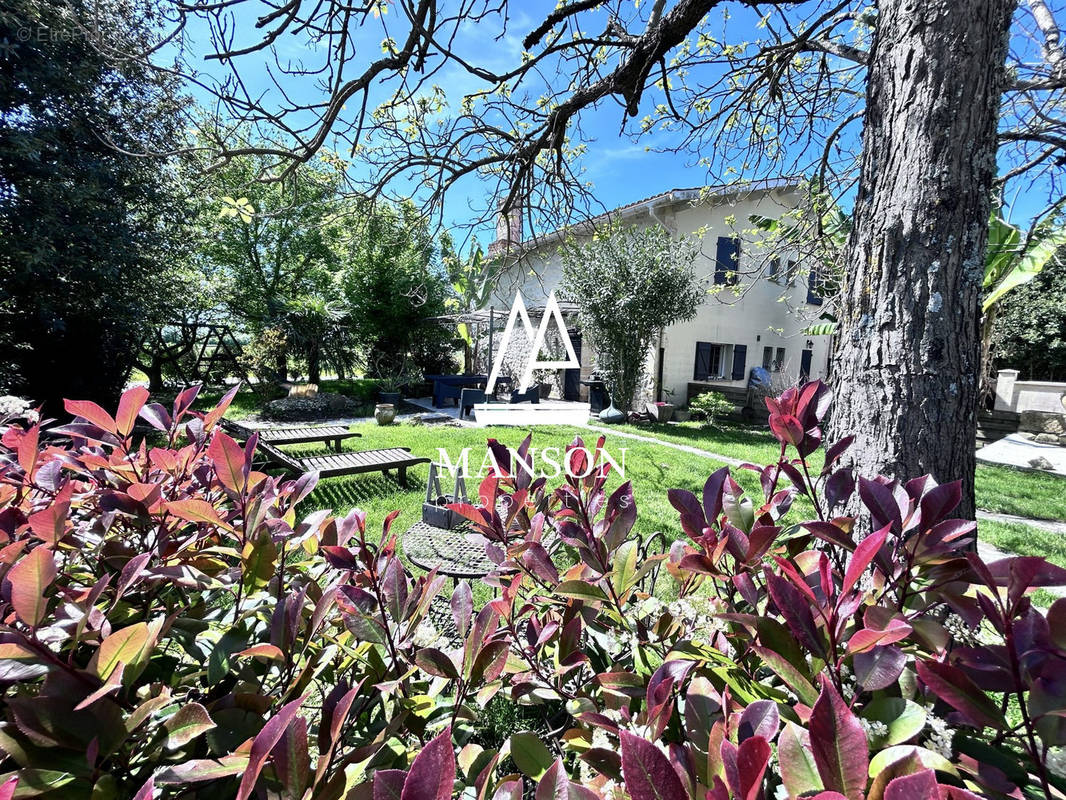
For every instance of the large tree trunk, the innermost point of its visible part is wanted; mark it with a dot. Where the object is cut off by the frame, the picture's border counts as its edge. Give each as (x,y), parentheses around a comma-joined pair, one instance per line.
(908,357)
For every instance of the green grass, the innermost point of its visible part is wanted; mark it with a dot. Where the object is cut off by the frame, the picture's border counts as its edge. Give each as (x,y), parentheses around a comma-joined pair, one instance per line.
(1038,495)
(1025,493)
(652,468)
(1025,540)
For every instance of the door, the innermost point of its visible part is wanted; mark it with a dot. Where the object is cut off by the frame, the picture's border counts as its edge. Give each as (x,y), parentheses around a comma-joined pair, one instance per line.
(805,365)
(572,377)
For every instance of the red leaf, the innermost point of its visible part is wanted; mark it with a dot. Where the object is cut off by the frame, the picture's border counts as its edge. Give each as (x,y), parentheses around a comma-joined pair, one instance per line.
(26,583)
(919,786)
(129,407)
(27,449)
(195,510)
(229,461)
(262,745)
(745,766)
(432,775)
(554,785)
(647,771)
(955,687)
(215,414)
(864,554)
(838,743)
(7,791)
(50,524)
(91,412)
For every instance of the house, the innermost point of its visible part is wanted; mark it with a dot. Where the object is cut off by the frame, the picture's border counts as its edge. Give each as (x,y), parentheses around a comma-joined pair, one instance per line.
(759,324)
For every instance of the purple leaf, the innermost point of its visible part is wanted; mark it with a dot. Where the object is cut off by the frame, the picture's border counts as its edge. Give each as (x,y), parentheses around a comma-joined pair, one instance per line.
(919,786)
(462,603)
(388,784)
(712,494)
(878,668)
(760,718)
(647,771)
(839,744)
(940,501)
(879,499)
(262,745)
(955,688)
(432,775)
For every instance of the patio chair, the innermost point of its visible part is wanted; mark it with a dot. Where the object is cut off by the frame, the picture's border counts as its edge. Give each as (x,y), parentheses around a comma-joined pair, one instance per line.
(354,463)
(530,395)
(442,390)
(307,434)
(468,399)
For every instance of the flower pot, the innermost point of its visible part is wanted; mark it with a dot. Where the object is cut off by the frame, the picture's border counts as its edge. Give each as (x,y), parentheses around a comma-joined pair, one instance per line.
(612,415)
(390,398)
(681,415)
(660,412)
(545,390)
(384,413)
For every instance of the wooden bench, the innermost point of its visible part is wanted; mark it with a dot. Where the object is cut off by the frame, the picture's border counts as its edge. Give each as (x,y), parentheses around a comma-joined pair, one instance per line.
(306,434)
(354,463)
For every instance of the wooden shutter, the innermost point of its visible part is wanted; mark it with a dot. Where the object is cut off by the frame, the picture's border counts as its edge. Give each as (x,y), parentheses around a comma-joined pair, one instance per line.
(740,361)
(702,367)
(727,260)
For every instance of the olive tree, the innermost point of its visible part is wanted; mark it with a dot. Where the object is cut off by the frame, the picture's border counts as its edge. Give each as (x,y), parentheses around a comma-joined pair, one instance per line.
(630,283)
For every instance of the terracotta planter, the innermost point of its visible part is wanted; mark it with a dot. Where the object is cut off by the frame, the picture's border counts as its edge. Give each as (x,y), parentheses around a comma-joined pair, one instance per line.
(660,412)
(384,413)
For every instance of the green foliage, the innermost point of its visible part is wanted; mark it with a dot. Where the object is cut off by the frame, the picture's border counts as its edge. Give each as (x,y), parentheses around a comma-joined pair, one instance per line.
(1029,331)
(273,255)
(629,283)
(709,407)
(87,232)
(394,285)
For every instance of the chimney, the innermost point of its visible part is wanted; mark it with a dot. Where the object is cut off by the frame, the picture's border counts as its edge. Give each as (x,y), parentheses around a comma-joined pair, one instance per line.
(508,230)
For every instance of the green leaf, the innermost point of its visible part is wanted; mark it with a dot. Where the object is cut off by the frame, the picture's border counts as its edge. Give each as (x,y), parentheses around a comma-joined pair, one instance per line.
(530,755)
(903,718)
(258,561)
(799,773)
(928,758)
(189,722)
(1027,267)
(129,645)
(581,590)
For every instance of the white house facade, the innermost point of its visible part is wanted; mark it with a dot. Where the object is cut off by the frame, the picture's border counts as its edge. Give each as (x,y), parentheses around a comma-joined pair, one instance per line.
(756,318)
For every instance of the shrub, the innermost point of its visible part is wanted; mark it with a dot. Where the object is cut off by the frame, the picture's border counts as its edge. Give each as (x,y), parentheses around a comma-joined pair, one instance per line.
(709,406)
(170,629)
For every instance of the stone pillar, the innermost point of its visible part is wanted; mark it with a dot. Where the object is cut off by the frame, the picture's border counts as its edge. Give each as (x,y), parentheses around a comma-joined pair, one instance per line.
(1005,379)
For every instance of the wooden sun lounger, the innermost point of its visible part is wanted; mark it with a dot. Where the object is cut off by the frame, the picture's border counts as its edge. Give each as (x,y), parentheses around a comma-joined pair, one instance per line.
(354,463)
(303,434)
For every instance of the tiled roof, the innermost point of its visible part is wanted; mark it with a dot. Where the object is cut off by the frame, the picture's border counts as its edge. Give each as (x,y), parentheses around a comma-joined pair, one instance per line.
(677,195)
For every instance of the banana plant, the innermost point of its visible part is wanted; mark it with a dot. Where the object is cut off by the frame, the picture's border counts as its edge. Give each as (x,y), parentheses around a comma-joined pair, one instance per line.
(473,280)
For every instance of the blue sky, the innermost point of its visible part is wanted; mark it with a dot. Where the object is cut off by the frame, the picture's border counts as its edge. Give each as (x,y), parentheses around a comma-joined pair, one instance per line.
(621,170)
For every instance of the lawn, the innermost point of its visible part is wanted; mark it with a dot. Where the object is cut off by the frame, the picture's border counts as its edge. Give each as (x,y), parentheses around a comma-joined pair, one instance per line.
(652,468)
(1006,490)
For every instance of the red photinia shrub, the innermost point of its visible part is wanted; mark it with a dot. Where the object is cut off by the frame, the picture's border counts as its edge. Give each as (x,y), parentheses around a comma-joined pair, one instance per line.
(170,629)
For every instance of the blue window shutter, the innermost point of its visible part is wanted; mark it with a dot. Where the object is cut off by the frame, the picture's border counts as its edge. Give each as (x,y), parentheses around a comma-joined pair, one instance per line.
(702,368)
(740,361)
(727,259)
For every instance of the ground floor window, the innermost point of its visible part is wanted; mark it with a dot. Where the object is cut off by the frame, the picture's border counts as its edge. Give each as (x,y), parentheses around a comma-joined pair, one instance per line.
(710,361)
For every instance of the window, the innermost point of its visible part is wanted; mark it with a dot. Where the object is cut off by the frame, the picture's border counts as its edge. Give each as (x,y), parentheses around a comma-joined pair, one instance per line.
(710,359)
(773,272)
(815,287)
(727,261)
(768,358)
(779,364)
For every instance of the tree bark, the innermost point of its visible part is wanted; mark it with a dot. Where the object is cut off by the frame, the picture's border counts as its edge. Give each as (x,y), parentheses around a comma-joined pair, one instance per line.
(908,355)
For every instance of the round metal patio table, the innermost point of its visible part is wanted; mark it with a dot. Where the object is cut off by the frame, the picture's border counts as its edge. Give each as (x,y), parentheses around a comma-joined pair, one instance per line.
(450,551)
